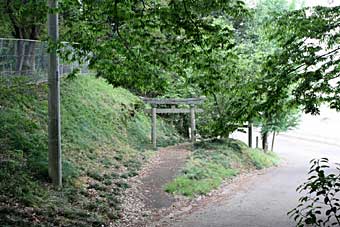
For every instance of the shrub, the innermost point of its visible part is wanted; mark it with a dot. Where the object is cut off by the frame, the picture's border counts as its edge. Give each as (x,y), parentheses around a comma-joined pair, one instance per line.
(320,206)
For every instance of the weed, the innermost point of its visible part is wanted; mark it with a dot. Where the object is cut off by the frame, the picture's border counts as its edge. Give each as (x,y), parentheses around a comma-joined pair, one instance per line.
(95,175)
(122,184)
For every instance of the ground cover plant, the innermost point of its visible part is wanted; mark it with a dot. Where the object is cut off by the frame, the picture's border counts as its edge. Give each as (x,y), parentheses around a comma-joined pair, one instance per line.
(105,140)
(213,161)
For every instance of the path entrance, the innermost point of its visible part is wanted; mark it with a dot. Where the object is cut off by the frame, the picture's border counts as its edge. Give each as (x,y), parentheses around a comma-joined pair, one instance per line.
(146,199)
(170,161)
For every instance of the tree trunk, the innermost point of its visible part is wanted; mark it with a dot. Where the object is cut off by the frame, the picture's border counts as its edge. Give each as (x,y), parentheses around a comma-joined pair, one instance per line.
(250,134)
(25,54)
(29,59)
(265,141)
(273,141)
(20,51)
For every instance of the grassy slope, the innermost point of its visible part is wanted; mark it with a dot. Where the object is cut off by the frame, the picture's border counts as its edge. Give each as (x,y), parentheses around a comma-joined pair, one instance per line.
(213,162)
(105,138)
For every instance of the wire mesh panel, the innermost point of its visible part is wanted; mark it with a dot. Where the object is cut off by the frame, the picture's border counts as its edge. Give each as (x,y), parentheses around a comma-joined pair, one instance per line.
(29,59)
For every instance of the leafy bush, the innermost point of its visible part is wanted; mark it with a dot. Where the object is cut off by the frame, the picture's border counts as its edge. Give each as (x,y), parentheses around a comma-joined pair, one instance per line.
(320,206)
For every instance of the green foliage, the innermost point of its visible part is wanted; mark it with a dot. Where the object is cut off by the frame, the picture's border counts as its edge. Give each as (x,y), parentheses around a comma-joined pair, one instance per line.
(101,148)
(16,181)
(320,203)
(145,46)
(212,162)
(234,95)
(272,115)
(188,187)
(306,60)
(23,19)
(174,49)
(286,119)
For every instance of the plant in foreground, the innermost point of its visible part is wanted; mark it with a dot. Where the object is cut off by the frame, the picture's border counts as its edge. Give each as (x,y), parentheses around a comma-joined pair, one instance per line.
(320,204)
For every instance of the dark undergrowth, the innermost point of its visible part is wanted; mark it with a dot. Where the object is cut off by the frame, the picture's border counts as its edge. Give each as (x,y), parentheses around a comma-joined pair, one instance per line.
(105,140)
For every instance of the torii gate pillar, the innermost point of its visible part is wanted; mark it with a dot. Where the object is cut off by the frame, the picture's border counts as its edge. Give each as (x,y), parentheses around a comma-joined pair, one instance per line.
(154,126)
(193,123)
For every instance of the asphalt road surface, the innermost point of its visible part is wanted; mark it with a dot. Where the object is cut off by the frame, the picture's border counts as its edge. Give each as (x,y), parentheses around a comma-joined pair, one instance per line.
(265,199)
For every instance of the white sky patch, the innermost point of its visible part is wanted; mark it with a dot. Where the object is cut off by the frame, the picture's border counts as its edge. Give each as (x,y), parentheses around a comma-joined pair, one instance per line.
(329,3)
(307,3)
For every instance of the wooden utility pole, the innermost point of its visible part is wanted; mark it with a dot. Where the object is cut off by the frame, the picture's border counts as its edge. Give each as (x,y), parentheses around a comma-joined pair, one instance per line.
(54,132)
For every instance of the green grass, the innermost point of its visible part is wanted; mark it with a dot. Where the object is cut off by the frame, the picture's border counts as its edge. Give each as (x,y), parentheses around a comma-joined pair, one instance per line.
(215,161)
(105,139)
(263,160)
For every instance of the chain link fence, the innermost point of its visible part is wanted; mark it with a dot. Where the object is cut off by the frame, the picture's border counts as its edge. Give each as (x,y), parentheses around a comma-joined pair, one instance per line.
(28,59)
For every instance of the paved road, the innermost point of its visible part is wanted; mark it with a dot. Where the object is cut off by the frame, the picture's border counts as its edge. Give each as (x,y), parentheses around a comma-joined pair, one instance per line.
(265,199)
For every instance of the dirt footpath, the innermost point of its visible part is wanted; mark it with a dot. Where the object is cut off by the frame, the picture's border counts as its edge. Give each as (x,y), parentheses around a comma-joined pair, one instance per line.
(146,199)
(168,165)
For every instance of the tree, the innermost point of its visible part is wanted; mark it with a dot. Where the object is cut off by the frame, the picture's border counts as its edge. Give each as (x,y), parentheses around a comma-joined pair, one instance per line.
(233,80)
(146,46)
(308,58)
(24,19)
(272,116)
(176,48)
(283,120)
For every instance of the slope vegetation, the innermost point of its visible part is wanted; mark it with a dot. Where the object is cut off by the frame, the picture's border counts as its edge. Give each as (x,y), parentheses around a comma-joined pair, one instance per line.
(212,162)
(105,140)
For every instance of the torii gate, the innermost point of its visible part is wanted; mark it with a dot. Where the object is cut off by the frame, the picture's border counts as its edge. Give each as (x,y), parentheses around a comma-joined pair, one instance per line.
(159,101)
